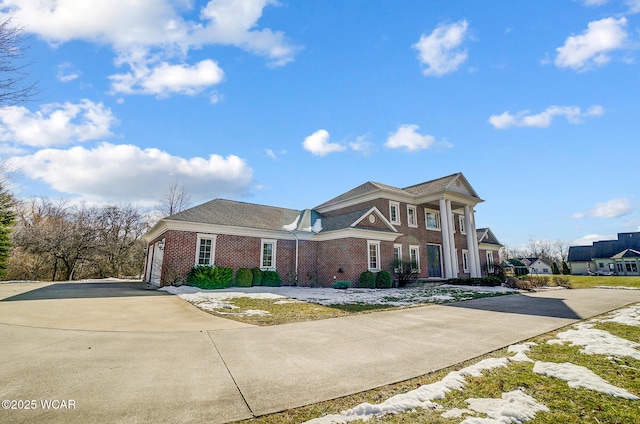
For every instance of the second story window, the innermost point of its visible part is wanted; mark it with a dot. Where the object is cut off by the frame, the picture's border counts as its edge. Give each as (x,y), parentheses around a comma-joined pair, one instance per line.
(394,212)
(412,219)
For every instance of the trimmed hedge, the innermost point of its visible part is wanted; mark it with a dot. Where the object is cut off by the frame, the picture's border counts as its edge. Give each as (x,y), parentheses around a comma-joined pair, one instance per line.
(367,280)
(271,279)
(257,276)
(210,277)
(383,280)
(244,277)
(342,285)
(484,281)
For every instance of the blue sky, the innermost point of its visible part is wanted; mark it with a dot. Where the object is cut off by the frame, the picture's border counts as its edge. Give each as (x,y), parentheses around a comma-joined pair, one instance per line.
(291,103)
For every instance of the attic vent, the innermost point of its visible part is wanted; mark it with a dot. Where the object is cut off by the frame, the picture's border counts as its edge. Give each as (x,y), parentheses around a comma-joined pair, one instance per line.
(372,219)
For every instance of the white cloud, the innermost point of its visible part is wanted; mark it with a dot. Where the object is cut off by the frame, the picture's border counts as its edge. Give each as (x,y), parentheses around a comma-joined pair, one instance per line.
(524,118)
(271,154)
(441,51)
(594,3)
(165,79)
(111,172)
(408,138)
(319,145)
(149,36)
(590,238)
(634,6)
(361,145)
(613,208)
(67,72)
(56,124)
(591,48)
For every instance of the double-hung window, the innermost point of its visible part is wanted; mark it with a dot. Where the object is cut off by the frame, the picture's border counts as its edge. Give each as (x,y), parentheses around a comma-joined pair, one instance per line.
(465,260)
(412,216)
(461,224)
(373,248)
(414,257)
(268,255)
(206,249)
(394,213)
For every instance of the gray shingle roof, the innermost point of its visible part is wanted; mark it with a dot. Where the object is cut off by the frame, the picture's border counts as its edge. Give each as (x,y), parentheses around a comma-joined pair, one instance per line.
(239,214)
(431,186)
(579,254)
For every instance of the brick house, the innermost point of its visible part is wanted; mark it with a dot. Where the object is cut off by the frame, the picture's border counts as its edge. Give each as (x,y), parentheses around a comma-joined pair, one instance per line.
(431,224)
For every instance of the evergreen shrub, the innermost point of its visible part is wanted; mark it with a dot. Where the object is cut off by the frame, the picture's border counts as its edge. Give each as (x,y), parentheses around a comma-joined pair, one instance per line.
(244,277)
(210,277)
(271,279)
(383,280)
(257,276)
(367,280)
(342,285)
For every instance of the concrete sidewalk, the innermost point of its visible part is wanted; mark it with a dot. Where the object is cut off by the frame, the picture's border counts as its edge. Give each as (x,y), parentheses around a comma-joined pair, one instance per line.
(202,371)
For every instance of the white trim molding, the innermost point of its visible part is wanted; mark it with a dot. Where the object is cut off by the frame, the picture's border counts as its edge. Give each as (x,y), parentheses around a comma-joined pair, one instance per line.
(212,252)
(274,245)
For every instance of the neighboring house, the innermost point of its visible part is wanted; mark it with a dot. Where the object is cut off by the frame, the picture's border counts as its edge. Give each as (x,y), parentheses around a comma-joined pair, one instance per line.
(431,224)
(608,257)
(536,266)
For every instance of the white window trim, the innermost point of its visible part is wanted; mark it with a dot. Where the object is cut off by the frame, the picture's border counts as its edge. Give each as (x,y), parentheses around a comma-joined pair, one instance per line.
(203,236)
(397,206)
(465,260)
(417,249)
(426,211)
(461,220)
(398,246)
(375,243)
(273,258)
(415,216)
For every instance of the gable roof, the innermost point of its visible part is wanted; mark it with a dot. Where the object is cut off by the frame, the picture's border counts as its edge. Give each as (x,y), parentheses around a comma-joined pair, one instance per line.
(627,253)
(239,214)
(485,235)
(455,183)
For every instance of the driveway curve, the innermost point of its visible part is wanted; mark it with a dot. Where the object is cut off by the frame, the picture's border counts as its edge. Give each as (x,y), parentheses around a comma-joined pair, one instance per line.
(123,352)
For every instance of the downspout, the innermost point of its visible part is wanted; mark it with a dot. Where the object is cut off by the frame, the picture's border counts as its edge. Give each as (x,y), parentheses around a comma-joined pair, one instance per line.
(297,242)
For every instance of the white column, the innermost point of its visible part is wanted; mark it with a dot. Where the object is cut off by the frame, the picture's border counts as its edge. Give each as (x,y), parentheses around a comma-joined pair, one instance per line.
(475,244)
(446,248)
(472,246)
(452,241)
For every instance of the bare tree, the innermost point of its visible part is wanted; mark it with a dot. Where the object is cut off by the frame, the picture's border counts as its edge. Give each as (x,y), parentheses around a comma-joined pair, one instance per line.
(14,88)
(561,248)
(174,200)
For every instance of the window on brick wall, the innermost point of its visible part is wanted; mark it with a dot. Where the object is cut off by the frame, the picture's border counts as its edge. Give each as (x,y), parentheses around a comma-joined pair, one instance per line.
(465,260)
(205,254)
(268,255)
(412,216)
(374,255)
(394,212)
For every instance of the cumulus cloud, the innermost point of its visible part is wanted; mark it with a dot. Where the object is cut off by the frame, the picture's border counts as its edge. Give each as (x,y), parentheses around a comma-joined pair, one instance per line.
(319,145)
(153,37)
(525,118)
(111,172)
(56,124)
(441,52)
(361,145)
(164,79)
(592,48)
(613,208)
(407,137)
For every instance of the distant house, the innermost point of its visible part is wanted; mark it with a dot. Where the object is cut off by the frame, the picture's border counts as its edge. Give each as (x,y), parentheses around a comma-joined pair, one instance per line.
(536,266)
(608,257)
(431,224)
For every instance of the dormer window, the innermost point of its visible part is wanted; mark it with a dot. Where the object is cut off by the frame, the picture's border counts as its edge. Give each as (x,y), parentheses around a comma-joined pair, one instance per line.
(394,213)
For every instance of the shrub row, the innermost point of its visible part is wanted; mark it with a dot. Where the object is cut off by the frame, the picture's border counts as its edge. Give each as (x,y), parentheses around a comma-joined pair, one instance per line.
(482,281)
(380,280)
(219,277)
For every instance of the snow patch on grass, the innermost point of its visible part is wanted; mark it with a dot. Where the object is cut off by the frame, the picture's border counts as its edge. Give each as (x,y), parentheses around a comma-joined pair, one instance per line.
(513,407)
(579,376)
(594,341)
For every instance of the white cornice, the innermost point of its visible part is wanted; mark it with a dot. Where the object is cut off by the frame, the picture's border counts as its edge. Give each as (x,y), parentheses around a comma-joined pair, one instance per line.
(356,233)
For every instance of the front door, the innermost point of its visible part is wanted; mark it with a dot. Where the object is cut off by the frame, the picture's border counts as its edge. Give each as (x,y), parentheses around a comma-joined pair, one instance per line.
(434,260)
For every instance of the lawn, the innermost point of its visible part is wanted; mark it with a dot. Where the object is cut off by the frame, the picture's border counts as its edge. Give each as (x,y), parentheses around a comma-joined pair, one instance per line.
(283,305)
(584,373)
(587,282)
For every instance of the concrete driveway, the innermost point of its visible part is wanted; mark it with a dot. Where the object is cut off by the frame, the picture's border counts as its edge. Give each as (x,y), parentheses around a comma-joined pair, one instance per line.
(119,352)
